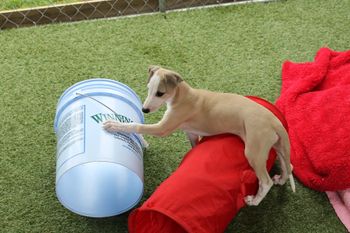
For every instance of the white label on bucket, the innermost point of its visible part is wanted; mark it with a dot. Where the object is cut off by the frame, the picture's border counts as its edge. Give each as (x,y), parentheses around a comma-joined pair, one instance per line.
(71,132)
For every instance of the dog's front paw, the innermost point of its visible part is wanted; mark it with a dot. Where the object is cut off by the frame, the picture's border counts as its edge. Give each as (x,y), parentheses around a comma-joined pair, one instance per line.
(113,126)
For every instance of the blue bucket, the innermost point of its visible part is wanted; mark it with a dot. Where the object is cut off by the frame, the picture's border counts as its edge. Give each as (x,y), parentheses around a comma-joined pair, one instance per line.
(98,174)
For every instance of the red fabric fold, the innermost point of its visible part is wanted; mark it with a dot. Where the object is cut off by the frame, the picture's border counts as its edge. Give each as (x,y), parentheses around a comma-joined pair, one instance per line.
(203,194)
(315,99)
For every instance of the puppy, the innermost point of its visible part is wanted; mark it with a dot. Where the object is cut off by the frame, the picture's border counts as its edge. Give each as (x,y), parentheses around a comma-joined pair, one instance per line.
(203,113)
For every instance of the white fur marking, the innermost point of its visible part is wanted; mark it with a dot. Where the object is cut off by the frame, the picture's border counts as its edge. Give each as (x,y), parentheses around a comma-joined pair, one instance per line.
(152,102)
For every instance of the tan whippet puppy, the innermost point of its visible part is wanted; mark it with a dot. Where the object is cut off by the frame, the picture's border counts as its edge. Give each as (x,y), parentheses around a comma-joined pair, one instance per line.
(203,113)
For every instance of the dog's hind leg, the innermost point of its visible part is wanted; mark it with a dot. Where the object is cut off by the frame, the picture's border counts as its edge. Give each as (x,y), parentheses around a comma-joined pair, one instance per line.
(282,178)
(281,151)
(257,150)
(265,184)
(282,148)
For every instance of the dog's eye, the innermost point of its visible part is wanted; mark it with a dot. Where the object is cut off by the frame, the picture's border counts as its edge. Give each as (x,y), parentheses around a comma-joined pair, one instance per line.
(159,94)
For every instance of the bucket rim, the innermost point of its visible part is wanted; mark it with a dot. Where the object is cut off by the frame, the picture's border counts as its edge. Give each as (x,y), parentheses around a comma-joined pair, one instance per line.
(110,215)
(94,79)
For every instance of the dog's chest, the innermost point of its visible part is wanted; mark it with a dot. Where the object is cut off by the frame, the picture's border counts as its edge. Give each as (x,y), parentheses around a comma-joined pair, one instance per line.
(194,130)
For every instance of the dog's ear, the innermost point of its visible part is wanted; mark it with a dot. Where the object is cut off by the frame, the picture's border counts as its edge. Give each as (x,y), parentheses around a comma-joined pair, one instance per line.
(151,70)
(172,79)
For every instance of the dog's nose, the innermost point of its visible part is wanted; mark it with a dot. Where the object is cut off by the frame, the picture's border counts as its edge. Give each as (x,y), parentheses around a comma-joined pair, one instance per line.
(145,110)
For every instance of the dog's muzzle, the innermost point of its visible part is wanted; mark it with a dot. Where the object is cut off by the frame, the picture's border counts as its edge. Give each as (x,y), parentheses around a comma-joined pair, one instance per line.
(145,110)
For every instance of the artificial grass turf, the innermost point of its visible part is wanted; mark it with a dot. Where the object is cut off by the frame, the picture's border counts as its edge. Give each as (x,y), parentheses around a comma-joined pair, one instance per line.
(17,4)
(234,49)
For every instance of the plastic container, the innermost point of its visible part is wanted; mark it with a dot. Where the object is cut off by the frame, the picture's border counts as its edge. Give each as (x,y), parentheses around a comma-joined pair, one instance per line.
(98,174)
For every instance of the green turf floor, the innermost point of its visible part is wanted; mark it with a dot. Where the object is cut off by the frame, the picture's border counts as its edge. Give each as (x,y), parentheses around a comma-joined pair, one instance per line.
(234,49)
(19,4)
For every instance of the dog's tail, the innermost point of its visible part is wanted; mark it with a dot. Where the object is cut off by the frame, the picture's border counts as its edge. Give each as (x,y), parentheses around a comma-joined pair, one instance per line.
(283,150)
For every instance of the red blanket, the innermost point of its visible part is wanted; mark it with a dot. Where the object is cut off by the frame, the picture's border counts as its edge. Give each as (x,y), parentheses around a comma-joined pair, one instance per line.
(315,100)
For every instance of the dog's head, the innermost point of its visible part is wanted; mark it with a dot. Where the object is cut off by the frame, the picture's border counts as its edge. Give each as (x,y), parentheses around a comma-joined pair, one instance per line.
(162,84)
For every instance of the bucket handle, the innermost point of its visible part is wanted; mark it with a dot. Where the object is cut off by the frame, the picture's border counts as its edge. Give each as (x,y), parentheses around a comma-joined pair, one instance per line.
(142,140)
